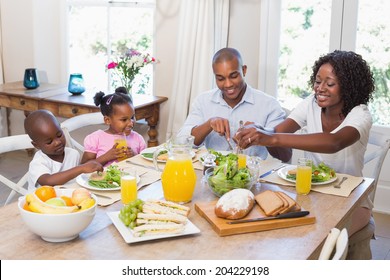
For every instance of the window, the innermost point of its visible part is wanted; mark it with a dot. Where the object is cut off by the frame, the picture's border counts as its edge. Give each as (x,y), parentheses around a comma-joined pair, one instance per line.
(310,28)
(304,36)
(101,29)
(373,43)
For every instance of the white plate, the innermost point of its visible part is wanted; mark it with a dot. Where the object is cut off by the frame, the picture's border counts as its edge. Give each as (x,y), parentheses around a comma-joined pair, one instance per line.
(82,180)
(284,171)
(128,236)
(151,150)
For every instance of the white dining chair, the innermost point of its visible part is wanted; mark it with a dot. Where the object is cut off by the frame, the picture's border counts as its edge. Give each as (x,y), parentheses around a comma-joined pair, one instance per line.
(378,146)
(10,144)
(77,122)
(341,246)
(360,242)
(335,246)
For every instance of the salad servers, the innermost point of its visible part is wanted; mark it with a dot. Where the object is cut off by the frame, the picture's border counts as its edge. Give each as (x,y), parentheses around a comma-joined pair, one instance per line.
(338,186)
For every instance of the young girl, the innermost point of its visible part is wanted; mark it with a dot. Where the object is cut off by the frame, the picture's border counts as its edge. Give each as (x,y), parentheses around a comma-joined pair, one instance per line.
(119,114)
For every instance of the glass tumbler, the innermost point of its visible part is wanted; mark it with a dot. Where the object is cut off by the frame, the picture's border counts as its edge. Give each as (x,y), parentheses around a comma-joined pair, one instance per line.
(303,181)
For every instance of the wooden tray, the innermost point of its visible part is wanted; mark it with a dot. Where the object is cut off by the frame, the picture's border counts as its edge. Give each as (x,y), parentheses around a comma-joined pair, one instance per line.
(206,210)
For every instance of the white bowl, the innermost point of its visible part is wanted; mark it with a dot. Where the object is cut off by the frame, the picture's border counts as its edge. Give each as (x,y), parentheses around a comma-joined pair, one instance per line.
(57,227)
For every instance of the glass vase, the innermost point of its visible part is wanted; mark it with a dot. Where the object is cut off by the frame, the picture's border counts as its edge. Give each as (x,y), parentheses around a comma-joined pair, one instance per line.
(30,80)
(76,84)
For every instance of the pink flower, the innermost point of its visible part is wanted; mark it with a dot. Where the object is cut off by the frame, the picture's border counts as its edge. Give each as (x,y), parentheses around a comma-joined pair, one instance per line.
(112,65)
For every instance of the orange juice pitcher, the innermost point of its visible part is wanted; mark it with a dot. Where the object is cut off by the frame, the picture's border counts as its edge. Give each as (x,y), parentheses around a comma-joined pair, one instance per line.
(178,177)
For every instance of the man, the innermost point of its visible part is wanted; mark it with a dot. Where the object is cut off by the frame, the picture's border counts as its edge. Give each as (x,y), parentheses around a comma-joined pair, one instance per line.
(216,114)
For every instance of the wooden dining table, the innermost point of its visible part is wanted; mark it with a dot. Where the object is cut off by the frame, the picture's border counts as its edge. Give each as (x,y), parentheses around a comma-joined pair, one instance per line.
(102,240)
(61,103)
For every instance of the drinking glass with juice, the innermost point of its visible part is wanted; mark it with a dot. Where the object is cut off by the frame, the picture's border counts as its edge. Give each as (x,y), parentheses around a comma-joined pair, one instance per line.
(122,143)
(241,160)
(128,187)
(304,173)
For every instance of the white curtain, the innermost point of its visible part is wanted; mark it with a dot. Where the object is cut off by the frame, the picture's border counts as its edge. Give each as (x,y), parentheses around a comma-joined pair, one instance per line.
(3,111)
(203,30)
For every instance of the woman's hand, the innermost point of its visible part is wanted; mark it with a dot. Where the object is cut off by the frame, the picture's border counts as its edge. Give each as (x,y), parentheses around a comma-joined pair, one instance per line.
(250,135)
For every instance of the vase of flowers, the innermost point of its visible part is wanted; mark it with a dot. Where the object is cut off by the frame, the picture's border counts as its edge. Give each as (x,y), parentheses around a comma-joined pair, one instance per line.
(126,66)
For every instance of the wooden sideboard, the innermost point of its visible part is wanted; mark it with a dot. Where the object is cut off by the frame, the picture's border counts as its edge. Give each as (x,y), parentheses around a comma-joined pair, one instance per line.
(61,103)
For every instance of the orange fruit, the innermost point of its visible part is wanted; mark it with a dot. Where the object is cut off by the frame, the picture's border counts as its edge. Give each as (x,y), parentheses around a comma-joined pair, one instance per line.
(25,207)
(45,192)
(68,200)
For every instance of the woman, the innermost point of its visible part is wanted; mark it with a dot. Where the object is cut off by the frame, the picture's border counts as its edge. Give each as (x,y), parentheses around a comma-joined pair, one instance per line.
(335,117)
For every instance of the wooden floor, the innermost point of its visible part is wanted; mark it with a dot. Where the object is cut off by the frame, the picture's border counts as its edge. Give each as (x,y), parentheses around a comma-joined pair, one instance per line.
(14,164)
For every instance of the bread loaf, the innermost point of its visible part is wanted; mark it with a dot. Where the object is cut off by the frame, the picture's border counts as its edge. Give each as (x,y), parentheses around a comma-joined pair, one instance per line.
(235,204)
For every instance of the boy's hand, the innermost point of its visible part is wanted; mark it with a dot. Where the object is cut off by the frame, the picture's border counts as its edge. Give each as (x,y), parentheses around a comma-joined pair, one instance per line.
(92,166)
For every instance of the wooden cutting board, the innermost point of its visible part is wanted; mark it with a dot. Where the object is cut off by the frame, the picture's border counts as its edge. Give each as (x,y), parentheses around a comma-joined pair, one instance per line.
(206,210)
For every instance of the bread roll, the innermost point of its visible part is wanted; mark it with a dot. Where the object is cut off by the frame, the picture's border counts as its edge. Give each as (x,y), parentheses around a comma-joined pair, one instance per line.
(235,204)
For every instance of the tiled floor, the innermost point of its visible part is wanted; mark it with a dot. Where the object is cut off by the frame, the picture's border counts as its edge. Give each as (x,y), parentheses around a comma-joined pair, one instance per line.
(16,163)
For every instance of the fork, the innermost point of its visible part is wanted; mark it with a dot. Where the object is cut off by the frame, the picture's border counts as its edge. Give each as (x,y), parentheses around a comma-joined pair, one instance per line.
(230,145)
(338,186)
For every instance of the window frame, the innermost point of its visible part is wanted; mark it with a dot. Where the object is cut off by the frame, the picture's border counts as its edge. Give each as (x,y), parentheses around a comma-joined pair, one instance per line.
(108,4)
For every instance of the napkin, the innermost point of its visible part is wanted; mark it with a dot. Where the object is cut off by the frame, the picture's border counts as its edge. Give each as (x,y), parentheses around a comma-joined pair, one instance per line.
(346,188)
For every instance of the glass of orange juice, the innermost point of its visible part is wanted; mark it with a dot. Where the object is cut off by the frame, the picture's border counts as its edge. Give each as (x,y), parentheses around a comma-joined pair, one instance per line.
(304,173)
(122,144)
(241,160)
(128,186)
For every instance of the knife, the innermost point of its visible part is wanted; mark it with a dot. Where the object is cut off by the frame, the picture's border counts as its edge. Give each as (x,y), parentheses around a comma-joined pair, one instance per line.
(281,216)
(271,171)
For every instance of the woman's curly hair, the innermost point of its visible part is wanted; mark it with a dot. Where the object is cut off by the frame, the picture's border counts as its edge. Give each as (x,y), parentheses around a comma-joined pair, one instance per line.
(106,102)
(354,75)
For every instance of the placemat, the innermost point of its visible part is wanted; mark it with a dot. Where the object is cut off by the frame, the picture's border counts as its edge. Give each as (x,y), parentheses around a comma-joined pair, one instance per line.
(105,198)
(346,188)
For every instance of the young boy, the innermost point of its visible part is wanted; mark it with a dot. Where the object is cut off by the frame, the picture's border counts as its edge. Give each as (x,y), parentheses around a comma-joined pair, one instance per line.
(53,163)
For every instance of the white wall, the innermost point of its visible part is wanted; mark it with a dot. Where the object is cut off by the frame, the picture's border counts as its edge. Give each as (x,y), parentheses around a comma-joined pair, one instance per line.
(35,37)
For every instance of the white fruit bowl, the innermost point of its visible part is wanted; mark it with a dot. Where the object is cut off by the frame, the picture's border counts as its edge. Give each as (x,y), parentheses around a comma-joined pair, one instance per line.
(57,227)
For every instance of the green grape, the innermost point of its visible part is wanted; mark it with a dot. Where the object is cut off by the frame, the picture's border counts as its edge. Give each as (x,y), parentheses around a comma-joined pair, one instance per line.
(133,217)
(132,224)
(128,213)
(127,222)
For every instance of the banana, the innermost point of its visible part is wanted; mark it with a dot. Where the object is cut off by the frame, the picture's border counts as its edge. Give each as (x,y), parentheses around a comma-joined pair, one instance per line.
(86,204)
(38,206)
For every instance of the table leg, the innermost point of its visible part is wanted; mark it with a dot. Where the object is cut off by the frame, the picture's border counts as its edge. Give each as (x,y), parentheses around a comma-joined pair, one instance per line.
(152,123)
